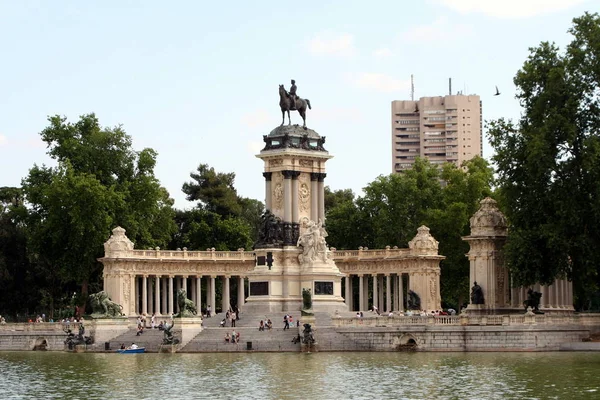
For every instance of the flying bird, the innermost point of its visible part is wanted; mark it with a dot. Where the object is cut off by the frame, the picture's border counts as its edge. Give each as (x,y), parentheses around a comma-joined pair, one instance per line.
(497,91)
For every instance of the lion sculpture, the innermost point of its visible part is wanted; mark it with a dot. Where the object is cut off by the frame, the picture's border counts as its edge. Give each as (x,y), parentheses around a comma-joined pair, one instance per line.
(187,308)
(104,307)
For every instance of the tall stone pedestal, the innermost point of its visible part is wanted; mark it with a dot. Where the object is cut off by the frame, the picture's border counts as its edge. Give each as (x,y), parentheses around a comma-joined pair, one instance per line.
(291,251)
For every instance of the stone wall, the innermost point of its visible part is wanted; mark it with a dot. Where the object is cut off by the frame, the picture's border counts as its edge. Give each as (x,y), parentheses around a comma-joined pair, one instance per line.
(466,338)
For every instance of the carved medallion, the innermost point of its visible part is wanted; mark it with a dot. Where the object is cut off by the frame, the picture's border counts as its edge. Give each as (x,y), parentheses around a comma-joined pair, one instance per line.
(275,163)
(305,163)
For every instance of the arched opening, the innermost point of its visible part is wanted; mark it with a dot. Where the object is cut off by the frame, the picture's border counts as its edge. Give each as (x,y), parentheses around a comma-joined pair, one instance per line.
(406,342)
(40,344)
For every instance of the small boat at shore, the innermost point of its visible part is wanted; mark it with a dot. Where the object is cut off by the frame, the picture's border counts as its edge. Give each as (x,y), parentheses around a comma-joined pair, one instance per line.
(132,351)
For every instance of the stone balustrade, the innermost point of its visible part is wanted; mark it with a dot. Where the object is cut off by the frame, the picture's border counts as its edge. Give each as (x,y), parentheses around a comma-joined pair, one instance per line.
(591,320)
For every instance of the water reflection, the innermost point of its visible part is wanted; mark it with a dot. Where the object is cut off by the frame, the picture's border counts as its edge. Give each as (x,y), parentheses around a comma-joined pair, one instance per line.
(306,376)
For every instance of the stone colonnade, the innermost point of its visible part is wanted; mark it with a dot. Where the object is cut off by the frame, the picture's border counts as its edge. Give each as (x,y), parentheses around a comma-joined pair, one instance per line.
(385,290)
(147,281)
(555,297)
(157,294)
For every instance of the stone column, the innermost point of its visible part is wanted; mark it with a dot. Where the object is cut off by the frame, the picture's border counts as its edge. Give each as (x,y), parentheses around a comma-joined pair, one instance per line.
(314,196)
(361,292)
(136,289)
(321,191)
(375,294)
(267,176)
(400,293)
(241,293)
(380,291)
(184,284)
(150,302)
(226,294)
(199,294)
(213,303)
(193,291)
(348,296)
(157,294)
(165,306)
(145,294)
(287,195)
(388,299)
(295,207)
(171,289)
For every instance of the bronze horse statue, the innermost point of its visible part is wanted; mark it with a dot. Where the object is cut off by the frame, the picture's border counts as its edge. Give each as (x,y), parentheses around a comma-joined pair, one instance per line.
(285,104)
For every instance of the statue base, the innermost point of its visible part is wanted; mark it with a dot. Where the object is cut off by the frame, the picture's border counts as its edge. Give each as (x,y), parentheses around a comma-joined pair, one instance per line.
(187,328)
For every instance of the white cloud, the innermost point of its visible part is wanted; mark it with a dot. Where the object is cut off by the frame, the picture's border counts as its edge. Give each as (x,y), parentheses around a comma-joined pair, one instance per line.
(509,8)
(335,44)
(440,30)
(379,82)
(383,52)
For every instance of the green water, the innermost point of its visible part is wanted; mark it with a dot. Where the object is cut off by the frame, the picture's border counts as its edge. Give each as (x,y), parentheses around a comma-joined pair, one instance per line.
(35,375)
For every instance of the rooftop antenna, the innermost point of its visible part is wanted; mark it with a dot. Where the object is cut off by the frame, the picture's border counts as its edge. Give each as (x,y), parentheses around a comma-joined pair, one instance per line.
(450,86)
(412,88)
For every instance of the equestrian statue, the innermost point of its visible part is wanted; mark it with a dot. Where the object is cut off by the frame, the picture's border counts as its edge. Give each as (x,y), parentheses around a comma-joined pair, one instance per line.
(289,101)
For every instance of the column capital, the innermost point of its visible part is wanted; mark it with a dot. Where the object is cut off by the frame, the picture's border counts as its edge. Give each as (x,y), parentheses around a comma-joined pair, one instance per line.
(145,276)
(287,173)
(314,176)
(199,276)
(267,175)
(322,176)
(184,276)
(295,174)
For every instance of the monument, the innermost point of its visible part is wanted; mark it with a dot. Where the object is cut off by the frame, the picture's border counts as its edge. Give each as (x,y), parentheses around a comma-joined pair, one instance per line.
(292,253)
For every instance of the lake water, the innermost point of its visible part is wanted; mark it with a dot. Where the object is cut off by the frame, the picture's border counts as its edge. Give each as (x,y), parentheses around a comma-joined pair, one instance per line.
(35,375)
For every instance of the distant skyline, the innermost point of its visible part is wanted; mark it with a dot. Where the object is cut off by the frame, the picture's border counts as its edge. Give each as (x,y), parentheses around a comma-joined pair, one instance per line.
(197,81)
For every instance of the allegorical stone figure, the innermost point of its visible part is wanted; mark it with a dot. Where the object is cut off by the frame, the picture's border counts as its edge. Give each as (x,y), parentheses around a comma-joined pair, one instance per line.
(477,294)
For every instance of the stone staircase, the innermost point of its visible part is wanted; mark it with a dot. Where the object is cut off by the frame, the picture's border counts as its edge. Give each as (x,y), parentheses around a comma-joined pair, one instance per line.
(151,339)
(212,338)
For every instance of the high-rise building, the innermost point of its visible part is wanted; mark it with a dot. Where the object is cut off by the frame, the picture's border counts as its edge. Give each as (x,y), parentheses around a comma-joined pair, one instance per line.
(442,129)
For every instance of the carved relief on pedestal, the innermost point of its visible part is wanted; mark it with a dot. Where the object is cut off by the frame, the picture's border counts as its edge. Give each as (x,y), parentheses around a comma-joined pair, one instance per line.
(432,288)
(303,192)
(277,191)
(126,288)
(275,163)
(305,163)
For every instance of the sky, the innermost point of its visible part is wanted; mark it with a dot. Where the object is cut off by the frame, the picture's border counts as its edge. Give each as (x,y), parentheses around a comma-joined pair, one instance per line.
(197,81)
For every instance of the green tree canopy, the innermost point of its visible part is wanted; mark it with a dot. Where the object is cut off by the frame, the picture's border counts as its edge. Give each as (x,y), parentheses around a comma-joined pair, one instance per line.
(548,163)
(394,206)
(219,211)
(100,182)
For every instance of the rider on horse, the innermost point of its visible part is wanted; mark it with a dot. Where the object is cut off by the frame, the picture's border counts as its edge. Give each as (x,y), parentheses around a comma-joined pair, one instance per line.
(293,96)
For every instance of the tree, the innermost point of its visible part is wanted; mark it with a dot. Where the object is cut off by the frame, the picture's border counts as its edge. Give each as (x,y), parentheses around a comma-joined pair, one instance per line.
(19,289)
(394,206)
(219,210)
(344,227)
(214,191)
(548,164)
(100,182)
